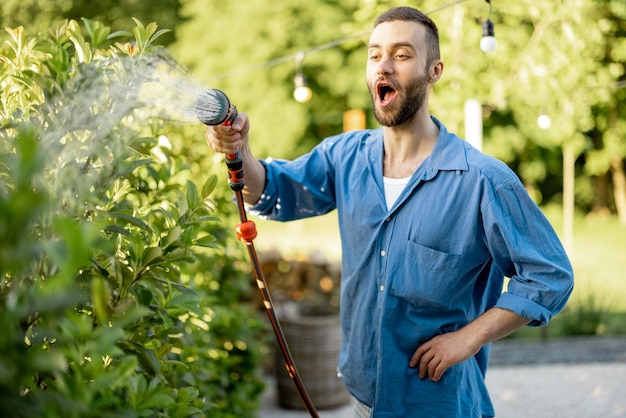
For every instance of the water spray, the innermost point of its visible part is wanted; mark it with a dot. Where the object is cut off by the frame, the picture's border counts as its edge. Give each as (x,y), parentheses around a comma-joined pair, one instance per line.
(158,87)
(212,108)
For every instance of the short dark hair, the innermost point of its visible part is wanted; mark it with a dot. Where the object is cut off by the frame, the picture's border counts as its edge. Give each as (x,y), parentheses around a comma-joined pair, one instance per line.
(414,15)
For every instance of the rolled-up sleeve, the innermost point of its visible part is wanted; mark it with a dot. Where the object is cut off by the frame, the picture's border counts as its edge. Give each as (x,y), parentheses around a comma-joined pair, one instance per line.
(527,249)
(300,188)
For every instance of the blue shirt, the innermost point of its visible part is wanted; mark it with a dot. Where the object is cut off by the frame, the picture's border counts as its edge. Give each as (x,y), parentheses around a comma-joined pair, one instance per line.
(431,264)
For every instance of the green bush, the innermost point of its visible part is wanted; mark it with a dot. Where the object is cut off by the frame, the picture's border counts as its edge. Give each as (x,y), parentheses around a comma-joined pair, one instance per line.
(121,291)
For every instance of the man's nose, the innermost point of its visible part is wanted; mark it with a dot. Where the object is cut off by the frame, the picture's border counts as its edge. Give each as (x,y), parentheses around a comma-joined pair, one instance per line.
(384,65)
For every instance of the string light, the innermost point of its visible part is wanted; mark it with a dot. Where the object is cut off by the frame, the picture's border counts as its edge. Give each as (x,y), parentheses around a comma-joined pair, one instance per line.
(488,42)
(328,45)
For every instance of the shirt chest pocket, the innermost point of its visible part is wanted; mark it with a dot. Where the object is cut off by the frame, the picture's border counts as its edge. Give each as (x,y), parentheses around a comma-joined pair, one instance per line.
(428,278)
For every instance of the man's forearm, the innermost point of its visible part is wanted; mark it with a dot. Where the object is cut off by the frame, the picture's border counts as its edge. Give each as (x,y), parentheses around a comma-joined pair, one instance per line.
(254,177)
(494,324)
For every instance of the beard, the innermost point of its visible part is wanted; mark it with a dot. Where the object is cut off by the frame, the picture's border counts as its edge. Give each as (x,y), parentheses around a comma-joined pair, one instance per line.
(405,107)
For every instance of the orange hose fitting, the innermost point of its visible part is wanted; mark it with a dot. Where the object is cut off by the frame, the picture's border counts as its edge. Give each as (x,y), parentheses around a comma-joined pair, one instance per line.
(246,231)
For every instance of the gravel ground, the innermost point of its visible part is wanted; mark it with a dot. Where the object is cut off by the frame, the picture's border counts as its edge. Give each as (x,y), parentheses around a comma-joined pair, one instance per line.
(569,378)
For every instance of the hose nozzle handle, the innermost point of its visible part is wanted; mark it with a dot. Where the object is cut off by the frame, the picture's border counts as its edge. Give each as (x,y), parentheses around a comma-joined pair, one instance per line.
(234,164)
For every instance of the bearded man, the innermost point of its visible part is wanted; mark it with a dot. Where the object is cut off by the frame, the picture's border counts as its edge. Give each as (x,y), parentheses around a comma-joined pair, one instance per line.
(430,228)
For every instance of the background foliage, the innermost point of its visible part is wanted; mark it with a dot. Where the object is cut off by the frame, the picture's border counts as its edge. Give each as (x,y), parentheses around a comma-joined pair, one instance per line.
(120,293)
(37,16)
(115,268)
(564,59)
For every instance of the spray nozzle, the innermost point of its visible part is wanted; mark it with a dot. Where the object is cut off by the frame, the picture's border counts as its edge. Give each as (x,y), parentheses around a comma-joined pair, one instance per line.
(212,107)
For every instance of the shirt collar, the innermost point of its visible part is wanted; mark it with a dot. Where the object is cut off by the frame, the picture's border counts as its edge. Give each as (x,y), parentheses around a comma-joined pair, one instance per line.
(449,153)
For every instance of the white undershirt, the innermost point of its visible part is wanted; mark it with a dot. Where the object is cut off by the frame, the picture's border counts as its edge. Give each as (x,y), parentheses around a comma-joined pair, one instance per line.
(393,188)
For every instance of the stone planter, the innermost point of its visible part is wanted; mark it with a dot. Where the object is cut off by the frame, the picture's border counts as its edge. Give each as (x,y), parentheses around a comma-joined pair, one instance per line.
(314,342)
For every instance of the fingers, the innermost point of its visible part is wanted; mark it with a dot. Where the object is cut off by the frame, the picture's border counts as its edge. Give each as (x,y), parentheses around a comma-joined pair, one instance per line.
(228,139)
(427,365)
(428,362)
(436,373)
(415,359)
(227,143)
(240,124)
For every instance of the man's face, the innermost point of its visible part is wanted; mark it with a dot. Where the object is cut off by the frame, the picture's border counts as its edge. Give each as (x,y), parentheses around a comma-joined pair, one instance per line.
(397,75)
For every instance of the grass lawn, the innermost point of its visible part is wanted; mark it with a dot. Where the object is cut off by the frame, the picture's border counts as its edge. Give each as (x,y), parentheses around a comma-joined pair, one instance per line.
(302,237)
(599,260)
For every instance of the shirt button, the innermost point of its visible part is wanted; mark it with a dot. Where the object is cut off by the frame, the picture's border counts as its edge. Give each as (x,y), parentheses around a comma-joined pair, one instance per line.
(382,287)
(383,253)
(387,219)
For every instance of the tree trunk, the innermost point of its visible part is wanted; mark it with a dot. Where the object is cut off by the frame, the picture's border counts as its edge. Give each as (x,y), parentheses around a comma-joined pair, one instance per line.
(601,194)
(569,160)
(619,188)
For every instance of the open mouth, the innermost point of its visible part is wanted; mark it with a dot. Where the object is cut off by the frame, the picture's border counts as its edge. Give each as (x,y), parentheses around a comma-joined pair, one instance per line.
(386,93)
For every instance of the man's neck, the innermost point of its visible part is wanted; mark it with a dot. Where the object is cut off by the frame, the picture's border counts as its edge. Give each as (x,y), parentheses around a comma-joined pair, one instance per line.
(408,145)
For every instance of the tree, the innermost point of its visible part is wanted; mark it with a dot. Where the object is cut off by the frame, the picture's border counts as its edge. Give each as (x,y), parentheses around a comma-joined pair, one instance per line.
(561,59)
(565,60)
(606,153)
(238,45)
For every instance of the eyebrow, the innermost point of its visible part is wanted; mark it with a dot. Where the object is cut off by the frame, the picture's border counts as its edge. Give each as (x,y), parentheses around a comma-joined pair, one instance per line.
(394,45)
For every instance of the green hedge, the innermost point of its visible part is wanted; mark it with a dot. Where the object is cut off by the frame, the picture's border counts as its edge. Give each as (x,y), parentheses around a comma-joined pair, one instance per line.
(122,294)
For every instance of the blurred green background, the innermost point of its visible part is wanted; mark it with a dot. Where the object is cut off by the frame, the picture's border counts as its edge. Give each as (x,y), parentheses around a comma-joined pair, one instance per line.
(560,60)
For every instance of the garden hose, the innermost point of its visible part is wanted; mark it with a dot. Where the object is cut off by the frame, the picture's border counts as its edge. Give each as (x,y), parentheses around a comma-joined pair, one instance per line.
(246,230)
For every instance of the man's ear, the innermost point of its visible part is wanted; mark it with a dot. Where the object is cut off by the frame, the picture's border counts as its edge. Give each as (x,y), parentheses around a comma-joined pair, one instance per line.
(436,70)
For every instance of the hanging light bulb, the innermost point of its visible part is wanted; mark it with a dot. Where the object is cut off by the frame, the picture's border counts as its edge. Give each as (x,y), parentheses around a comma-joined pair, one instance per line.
(544,121)
(488,42)
(302,92)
